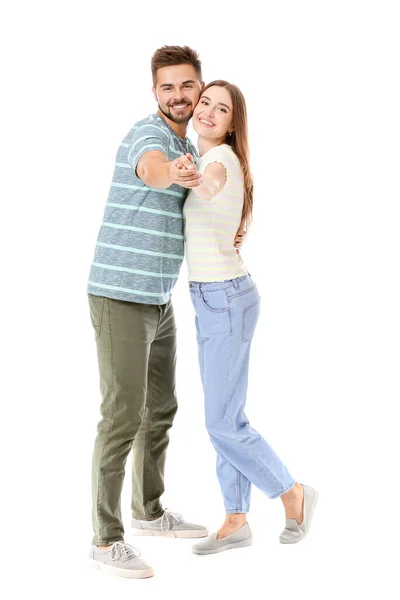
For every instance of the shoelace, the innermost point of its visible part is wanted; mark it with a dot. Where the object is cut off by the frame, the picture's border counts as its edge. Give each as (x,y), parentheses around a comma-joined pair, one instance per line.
(168,518)
(124,551)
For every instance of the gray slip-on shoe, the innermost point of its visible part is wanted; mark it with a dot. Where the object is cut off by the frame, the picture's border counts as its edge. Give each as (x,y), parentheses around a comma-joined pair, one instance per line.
(120,559)
(294,532)
(170,524)
(239,539)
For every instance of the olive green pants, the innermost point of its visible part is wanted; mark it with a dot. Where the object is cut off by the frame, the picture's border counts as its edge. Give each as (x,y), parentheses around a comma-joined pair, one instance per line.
(136,349)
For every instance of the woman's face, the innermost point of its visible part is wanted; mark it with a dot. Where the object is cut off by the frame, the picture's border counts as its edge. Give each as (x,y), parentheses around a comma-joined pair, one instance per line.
(213,116)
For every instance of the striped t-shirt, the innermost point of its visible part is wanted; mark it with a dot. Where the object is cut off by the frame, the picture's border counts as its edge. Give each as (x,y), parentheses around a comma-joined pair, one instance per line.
(211,225)
(140,246)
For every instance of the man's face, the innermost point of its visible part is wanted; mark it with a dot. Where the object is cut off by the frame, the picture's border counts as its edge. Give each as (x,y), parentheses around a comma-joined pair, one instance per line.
(177,92)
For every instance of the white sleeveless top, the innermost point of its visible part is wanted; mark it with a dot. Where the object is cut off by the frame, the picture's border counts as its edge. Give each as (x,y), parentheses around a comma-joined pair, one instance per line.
(211,225)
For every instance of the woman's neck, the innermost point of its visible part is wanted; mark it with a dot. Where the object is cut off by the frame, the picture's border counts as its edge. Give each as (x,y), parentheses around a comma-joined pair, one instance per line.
(205,144)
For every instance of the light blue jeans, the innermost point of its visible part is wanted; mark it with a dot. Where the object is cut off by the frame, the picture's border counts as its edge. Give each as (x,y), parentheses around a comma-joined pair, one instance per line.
(226,317)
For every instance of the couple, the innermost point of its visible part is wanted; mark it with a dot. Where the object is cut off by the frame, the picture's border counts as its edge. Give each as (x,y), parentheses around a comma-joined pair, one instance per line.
(149,214)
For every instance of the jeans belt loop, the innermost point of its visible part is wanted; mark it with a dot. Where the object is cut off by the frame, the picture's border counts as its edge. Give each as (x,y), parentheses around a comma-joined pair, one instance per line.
(235,284)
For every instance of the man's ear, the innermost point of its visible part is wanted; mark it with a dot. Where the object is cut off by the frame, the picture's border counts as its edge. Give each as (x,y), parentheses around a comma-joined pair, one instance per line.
(153,89)
(203,85)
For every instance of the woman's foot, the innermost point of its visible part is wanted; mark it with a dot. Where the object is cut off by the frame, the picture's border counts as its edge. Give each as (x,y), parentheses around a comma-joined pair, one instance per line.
(295,530)
(233,522)
(293,503)
(211,545)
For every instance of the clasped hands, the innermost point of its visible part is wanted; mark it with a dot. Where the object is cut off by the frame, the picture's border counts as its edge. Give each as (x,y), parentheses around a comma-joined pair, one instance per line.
(183,172)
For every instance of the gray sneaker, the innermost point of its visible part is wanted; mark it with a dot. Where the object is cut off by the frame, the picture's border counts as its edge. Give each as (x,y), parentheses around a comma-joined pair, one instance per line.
(120,559)
(239,539)
(170,524)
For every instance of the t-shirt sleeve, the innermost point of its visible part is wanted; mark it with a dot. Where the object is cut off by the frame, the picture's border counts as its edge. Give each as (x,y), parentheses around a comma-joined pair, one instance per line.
(145,139)
(222,155)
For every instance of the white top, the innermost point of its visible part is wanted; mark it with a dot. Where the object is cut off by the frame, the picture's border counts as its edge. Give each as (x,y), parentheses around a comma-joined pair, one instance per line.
(211,225)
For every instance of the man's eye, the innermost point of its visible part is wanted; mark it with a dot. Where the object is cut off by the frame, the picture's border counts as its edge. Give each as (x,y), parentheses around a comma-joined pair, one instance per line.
(188,86)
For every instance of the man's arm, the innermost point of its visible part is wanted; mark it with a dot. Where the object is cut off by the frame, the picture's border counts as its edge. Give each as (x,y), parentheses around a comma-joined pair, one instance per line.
(155,170)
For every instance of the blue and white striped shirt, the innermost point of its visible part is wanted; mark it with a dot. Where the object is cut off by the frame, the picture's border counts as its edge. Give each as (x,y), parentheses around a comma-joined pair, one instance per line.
(140,246)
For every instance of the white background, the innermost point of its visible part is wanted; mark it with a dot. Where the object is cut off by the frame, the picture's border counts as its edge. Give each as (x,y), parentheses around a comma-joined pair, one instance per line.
(321,79)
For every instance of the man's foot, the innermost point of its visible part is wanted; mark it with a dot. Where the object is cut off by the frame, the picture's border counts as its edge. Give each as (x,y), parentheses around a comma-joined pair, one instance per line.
(169,525)
(120,559)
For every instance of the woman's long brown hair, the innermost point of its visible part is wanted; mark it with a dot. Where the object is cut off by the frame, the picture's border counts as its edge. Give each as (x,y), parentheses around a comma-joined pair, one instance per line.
(239,142)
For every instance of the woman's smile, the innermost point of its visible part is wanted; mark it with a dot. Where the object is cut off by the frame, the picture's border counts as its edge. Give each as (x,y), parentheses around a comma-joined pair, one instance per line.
(205,122)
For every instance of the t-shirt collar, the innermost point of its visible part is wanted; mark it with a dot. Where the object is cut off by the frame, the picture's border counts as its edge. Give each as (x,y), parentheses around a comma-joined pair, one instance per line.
(158,118)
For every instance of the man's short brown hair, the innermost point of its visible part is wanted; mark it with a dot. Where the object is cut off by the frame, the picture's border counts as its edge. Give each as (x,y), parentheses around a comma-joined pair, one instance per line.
(169,56)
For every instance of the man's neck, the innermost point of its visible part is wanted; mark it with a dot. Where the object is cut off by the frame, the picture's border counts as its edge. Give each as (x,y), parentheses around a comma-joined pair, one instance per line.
(179,128)
(205,144)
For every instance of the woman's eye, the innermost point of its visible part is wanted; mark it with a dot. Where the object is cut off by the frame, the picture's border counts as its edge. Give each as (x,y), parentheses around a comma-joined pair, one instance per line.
(204,102)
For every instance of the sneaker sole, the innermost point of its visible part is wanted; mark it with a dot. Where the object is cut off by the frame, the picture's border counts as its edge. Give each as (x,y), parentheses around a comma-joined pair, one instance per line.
(199,533)
(130,573)
(243,544)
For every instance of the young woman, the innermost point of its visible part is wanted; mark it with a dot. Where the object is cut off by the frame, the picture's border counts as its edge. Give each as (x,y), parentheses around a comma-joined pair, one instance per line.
(227,306)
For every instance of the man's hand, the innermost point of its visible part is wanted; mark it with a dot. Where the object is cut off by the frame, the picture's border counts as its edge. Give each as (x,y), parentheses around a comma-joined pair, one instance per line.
(184,173)
(239,239)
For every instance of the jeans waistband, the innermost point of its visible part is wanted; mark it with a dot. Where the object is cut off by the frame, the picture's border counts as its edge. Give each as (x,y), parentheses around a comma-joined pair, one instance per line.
(213,286)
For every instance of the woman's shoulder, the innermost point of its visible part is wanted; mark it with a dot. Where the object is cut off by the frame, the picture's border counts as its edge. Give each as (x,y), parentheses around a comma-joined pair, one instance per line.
(222,153)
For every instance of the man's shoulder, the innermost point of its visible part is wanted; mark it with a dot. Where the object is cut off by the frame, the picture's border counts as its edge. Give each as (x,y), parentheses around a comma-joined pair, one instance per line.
(152,122)
(152,126)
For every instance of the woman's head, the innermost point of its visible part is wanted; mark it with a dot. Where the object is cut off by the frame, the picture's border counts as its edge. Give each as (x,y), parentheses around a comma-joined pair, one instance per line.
(213,116)
(221,115)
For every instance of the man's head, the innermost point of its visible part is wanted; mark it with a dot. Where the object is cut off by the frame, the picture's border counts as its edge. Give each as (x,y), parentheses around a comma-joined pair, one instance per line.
(177,82)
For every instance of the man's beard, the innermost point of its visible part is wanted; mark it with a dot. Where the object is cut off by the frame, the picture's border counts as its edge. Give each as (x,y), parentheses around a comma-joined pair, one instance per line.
(171,117)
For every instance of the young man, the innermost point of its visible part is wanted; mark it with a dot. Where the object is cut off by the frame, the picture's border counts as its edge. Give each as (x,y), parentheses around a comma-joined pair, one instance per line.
(137,260)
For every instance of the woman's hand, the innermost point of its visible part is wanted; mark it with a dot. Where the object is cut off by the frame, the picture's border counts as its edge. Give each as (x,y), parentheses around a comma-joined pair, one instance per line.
(239,239)
(183,172)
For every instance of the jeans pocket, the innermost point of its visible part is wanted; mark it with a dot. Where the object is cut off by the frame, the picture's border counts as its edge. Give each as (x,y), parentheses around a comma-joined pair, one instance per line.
(249,320)
(216,301)
(96,306)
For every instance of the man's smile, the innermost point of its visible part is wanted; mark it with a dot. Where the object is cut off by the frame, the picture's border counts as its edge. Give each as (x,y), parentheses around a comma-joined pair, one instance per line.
(179,106)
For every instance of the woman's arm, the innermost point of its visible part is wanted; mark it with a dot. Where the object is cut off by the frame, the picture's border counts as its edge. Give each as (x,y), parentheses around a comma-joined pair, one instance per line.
(212,182)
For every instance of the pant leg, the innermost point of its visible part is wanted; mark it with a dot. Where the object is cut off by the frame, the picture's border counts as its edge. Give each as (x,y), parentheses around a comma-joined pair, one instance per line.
(150,445)
(228,335)
(200,341)
(124,333)
(236,496)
